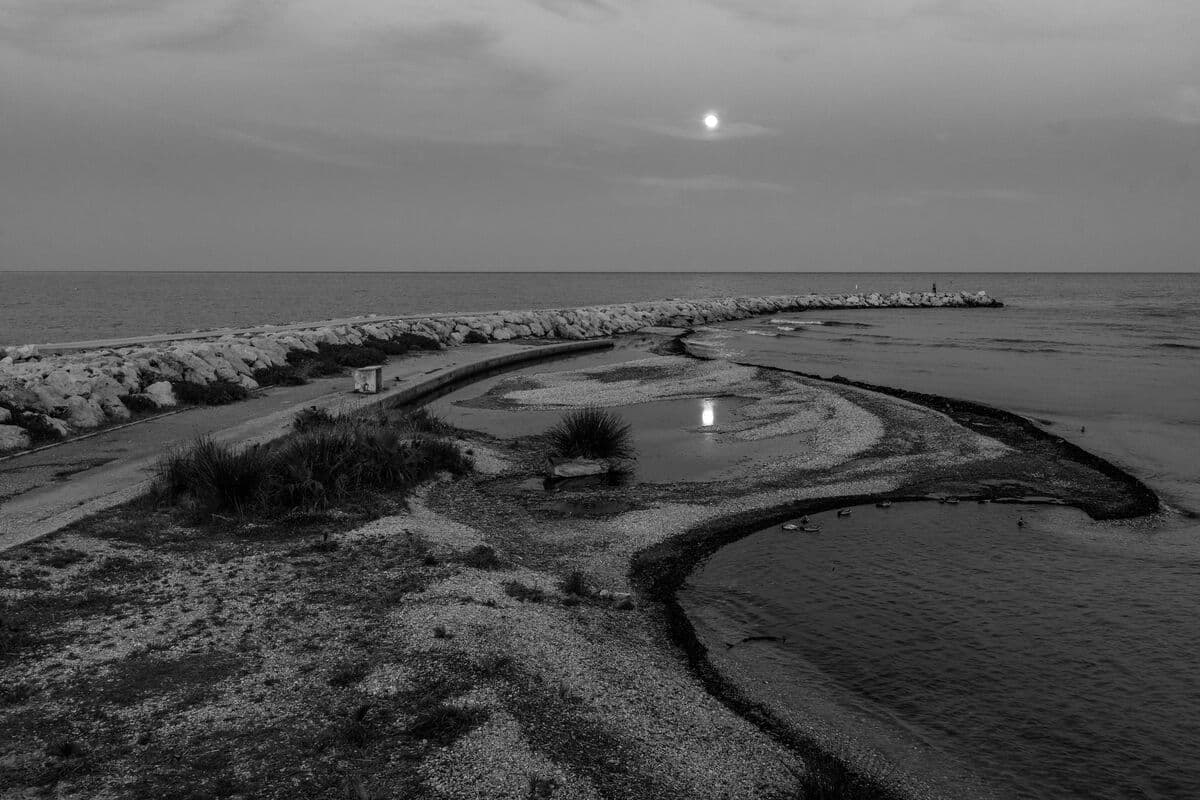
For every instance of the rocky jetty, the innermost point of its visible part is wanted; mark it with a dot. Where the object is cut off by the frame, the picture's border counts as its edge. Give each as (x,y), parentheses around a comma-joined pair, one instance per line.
(53,395)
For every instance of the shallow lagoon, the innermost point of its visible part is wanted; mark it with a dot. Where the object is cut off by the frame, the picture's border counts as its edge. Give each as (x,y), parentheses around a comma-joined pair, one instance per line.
(1054,660)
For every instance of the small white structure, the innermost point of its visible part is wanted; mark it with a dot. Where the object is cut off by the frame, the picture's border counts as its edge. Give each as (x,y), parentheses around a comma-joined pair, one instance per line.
(368,380)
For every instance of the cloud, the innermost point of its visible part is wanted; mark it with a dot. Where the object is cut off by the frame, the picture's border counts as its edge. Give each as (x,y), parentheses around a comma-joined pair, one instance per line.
(703,183)
(81,26)
(577,9)
(452,55)
(968,20)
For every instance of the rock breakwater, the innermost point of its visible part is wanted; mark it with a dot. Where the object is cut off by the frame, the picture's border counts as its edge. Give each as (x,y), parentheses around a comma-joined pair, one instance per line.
(48,395)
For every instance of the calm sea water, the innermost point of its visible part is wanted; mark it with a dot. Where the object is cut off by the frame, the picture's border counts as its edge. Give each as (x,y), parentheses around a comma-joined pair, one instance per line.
(1058,660)
(1053,661)
(70,306)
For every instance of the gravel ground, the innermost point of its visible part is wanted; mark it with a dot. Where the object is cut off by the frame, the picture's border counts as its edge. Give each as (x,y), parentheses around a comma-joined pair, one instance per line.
(433,652)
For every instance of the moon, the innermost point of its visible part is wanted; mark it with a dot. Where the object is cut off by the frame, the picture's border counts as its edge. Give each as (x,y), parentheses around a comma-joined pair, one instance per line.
(712,121)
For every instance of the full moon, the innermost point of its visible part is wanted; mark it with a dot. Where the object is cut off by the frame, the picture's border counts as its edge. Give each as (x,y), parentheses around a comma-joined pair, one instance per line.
(712,121)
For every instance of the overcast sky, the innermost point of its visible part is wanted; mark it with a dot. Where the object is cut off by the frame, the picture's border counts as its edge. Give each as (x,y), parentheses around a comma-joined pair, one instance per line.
(568,134)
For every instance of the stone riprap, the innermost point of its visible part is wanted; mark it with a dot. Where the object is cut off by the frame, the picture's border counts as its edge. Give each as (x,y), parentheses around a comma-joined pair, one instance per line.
(58,394)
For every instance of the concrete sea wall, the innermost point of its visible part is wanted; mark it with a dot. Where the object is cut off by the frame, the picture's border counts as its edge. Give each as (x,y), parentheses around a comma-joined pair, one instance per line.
(64,393)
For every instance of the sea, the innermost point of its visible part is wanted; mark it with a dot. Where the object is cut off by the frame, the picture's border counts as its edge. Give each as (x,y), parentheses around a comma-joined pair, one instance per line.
(951,649)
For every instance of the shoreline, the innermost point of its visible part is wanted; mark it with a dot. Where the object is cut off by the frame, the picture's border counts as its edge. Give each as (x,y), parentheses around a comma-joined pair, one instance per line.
(651,548)
(659,571)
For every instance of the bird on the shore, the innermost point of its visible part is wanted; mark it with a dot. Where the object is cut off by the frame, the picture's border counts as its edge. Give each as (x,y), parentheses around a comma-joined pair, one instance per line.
(1083,428)
(1020,522)
(804,520)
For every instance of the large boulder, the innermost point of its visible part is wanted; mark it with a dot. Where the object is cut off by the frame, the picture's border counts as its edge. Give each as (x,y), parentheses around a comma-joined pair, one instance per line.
(48,425)
(114,409)
(16,395)
(13,437)
(23,353)
(83,413)
(5,415)
(161,394)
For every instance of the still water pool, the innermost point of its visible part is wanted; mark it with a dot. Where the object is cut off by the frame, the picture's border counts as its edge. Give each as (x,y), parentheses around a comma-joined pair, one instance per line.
(1054,660)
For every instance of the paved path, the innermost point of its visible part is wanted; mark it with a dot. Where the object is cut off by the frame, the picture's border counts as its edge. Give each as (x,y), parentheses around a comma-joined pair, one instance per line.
(44,491)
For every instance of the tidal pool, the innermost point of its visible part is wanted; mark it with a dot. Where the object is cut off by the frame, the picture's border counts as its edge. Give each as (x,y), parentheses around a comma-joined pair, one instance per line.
(1054,660)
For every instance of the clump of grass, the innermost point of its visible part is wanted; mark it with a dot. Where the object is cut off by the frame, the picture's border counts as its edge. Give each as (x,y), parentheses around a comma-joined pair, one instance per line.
(481,556)
(12,694)
(212,477)
(524,593)
(356,730)
(217,393)
(312,417)
(443,724)
(541,788)
(423,421)
(576,585)
(495,665)
(440,632)
(348,673)
(315,469)
(14,633)
(64,558)
(591,433)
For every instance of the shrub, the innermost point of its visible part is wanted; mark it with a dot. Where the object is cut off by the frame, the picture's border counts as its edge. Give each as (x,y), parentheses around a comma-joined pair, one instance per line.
(352,355)
(317,467)
(591,433)
(39,427)
(312,417)
(139,403)
(523,593)
(14,634)
(348,673)
(443,724)
(217,393)
(417,341)
(575,584)
(422,421)
(312,364)
(281,375)
(479,557)
(392,347)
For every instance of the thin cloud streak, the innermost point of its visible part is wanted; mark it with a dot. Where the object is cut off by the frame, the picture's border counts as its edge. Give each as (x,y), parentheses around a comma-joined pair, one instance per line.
(704,183)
